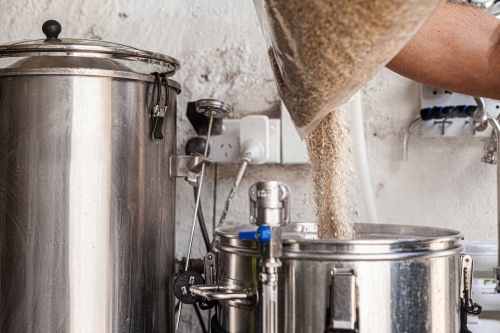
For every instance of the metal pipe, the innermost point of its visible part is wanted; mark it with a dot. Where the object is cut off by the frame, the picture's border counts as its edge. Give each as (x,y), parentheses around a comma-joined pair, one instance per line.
(406,136)
(215,292)
(246,159)
(196,207)
(480,116)
(479,119)
(496,127)
(269,207)
(269,300)
(197,204)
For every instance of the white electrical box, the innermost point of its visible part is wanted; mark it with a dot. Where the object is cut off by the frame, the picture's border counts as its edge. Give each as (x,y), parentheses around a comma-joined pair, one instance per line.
(225,147)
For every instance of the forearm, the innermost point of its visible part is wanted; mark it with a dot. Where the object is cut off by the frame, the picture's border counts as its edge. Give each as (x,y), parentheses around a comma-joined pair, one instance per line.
(458,50)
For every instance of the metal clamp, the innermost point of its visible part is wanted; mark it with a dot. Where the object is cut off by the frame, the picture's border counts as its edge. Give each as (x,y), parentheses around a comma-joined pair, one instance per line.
(466,272)
(268,197)
(210,261)
(188,166)
(343,303)
(157,111)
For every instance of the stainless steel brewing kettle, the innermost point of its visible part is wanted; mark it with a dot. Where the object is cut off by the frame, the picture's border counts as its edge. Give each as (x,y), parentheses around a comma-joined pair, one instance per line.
(86,200)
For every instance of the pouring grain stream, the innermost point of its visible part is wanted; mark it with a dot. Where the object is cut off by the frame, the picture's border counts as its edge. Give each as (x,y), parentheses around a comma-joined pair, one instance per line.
(327,145)
(321,53)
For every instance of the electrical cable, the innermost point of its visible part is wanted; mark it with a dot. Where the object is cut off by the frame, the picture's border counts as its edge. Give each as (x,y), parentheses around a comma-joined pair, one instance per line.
(216,175)
(247,157)
(200,318)
(209,317)
(203,226)
(157,86)
(165,81)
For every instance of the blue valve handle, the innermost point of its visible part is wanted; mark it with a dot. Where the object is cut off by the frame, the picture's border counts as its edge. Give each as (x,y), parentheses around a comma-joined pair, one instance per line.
(263,234)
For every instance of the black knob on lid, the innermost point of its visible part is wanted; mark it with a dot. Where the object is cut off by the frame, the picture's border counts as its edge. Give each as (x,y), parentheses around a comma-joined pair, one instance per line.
(51,29)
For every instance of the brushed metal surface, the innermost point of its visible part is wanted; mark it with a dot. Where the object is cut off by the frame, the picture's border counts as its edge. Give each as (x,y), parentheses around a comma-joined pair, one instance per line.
(407,278)
(234,316)
(86,205)
(413,296)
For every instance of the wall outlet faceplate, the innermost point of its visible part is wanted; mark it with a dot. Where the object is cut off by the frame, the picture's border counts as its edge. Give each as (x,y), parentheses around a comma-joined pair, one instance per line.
(225,148)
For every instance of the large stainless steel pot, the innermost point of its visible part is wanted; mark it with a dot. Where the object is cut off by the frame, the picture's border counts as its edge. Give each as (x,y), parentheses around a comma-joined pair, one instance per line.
(391,279)
(86,200)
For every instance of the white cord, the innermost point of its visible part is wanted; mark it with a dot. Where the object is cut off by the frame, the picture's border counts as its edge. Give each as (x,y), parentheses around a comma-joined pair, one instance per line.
(247,157)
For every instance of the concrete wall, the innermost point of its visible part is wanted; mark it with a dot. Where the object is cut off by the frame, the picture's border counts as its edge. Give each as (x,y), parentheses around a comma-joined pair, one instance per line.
(223,56)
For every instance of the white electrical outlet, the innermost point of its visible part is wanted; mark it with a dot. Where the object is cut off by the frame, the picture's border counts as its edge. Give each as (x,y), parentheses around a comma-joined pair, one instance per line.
(225,147)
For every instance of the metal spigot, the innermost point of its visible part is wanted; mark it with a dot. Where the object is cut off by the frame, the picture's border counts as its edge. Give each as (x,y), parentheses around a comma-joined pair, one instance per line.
(270,210)
(490,147)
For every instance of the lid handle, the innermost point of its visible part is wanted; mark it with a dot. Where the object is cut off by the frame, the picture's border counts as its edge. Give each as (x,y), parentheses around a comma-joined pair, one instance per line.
(51,29)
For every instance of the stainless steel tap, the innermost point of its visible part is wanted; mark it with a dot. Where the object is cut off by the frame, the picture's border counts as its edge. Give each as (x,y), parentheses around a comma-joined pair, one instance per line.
(269,209)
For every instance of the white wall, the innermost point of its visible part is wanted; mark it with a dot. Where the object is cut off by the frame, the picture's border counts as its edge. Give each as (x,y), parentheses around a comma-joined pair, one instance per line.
(223,55)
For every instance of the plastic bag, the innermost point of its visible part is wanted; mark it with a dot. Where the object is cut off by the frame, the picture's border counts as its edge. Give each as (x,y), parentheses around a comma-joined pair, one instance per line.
(323,51)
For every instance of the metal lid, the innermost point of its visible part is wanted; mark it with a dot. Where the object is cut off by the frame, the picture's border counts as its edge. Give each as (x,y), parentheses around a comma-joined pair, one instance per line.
(379,242)
(373,242)
(54,46)
(227,237)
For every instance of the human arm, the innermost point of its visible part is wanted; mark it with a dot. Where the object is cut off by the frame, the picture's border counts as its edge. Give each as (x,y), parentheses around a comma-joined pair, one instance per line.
(458,49)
